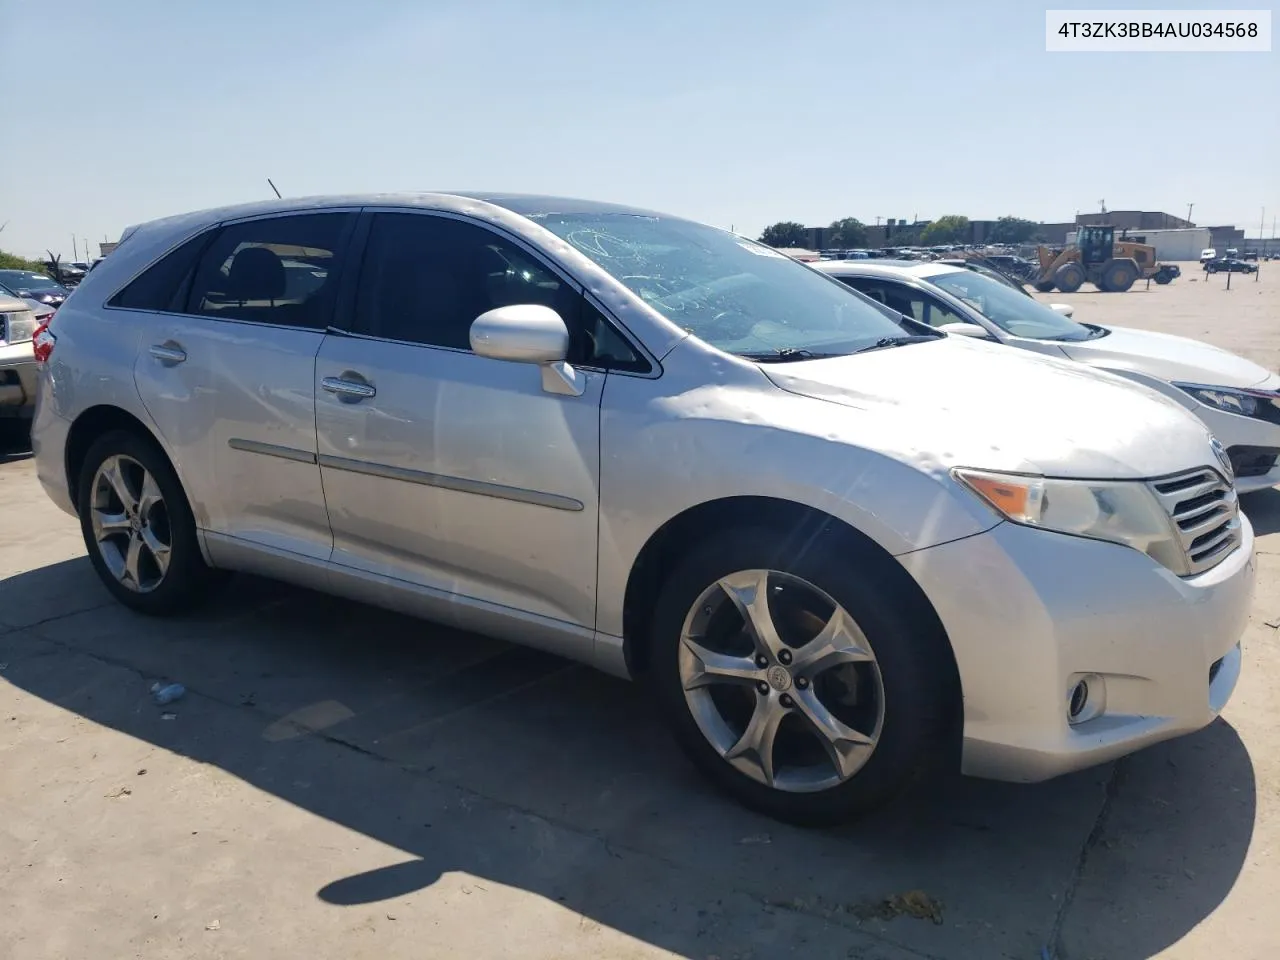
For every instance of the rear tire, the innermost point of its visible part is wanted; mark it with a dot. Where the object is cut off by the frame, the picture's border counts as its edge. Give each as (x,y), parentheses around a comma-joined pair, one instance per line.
(892,684)
(138,527)
(1117,277)
(1044,286)
(1163,277)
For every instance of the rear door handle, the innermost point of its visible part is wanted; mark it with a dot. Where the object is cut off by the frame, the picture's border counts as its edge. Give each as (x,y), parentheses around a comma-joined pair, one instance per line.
(351,391)
(168,353)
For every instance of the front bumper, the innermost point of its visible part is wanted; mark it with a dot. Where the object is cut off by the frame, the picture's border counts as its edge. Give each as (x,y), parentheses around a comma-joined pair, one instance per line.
(1247,439)
(17,380)
(1029,613)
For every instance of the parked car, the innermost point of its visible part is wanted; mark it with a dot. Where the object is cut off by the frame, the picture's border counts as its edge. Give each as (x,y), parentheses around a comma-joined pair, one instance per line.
(1207,254)
(1250,255)
(1230,265)
(34,286)
(17,363)
(833,542)
(1238,400)
(1065,309)
(39,311)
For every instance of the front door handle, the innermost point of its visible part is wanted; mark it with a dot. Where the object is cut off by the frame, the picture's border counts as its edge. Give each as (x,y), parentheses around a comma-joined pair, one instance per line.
(168,353)
(350,391)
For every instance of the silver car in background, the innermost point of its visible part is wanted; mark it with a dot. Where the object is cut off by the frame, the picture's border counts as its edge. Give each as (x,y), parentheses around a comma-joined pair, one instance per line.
(834,543)
(1238,400)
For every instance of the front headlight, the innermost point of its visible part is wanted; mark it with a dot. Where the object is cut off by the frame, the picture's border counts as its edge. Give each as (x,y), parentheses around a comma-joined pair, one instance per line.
(1119,511)
(17,327)
(1238,400)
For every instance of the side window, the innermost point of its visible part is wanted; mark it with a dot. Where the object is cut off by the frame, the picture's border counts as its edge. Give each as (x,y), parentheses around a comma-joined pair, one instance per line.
(935,313)
(906,300)
(603,346)
(864,285)
(426,278)
(159,287)
(281,270)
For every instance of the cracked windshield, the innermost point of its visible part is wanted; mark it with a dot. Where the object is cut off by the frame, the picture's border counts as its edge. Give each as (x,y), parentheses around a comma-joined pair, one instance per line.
(739,296)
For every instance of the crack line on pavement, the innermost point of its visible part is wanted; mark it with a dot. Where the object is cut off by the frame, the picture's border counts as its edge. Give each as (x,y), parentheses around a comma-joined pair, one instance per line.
(1112,790)
(595,836)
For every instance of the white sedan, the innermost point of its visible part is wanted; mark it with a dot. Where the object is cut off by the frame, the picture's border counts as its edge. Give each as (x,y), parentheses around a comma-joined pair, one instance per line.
(1238,399)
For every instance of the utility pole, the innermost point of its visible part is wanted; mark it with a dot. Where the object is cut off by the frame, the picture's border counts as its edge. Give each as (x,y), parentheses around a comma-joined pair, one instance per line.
(273,187)
(1189,206)
(74,255)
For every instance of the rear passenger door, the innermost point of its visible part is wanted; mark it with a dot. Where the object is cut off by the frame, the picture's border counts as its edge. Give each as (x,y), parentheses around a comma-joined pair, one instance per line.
(227,375)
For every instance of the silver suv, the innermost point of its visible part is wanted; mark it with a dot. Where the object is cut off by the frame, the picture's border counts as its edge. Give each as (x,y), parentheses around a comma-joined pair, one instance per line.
(836,544)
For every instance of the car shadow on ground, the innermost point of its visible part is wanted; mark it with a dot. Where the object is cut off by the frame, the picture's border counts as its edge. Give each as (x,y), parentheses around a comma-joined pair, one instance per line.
(15,443)
(475,756)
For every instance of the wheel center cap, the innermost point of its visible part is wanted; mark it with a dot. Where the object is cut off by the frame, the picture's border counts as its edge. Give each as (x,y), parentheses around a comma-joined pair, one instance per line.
(779,678)
(135,524)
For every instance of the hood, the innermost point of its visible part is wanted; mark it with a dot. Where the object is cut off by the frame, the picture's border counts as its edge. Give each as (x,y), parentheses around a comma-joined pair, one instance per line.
(960,402)
(1167,357)
(38,309)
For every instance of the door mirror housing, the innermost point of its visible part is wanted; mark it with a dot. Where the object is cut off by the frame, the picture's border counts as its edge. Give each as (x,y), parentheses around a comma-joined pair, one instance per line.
(529,333)
(521,333)
(966,330)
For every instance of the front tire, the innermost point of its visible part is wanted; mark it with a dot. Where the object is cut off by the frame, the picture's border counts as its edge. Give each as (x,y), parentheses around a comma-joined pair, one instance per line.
(1069,277)
(799,680)
(138,527)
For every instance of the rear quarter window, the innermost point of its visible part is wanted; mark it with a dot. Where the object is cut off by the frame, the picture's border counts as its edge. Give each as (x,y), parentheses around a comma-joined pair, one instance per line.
(161,285)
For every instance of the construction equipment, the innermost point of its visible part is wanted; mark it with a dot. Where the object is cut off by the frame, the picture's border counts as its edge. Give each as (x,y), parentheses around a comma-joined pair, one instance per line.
(1109,264)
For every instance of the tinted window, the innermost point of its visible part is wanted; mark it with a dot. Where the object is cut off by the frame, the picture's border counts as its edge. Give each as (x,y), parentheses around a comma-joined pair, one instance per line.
(158,287)
(283,270)
(905,300)
(426,278)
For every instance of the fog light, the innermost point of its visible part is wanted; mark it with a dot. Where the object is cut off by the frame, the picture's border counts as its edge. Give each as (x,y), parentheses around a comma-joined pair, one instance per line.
(1079,699)
(1086,699)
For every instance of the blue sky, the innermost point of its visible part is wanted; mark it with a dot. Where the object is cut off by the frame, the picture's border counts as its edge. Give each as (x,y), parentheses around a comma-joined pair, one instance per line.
(737,113)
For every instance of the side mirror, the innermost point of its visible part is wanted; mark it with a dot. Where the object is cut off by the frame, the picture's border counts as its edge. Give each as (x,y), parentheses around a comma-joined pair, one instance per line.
(528,333)
(974,330)
(1063,308)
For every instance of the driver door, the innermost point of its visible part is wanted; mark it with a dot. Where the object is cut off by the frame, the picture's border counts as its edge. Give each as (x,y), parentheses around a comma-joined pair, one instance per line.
(449,471)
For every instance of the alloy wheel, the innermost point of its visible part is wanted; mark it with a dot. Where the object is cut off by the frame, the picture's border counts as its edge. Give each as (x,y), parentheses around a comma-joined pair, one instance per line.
(130,523)
(781,681)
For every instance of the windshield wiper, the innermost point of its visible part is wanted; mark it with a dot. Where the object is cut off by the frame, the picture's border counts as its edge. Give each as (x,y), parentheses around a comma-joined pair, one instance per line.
(788,354)
(884,342)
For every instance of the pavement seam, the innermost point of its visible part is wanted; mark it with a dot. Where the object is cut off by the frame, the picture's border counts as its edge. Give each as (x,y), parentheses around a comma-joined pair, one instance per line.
(1054,945)
(610,846)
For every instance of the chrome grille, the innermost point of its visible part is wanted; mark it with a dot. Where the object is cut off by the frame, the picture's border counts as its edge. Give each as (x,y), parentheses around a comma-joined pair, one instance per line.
(1205,513)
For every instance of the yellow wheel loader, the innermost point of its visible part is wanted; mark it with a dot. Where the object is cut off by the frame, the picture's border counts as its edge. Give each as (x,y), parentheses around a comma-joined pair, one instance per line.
(1109,264)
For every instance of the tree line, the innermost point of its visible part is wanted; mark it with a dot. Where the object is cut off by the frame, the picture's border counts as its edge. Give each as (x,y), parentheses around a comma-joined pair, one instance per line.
(850,232)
